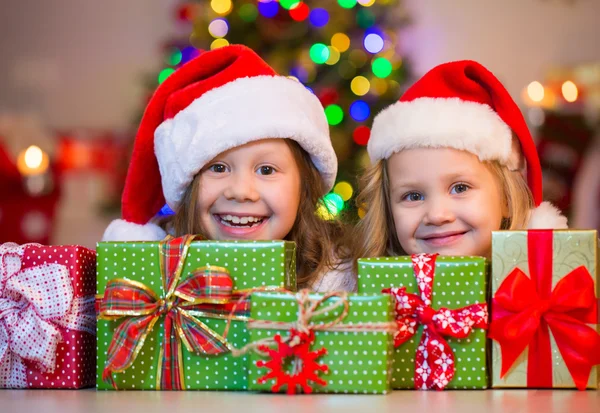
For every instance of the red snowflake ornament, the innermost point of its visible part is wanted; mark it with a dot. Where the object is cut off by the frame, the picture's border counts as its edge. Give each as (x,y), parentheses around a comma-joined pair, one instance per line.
(297,348)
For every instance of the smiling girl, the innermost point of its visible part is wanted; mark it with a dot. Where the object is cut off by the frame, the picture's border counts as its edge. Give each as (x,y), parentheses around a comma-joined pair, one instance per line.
(239,153)
(452,161)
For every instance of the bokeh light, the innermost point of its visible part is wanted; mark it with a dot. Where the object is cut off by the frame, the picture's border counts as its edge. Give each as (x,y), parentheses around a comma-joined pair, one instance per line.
(175,57)
(334,200)
(269,9)
(365,18)
(379,86)
(248,12)
(289,4)
(334,114)
(334,56)
(324,212)
(164,74)
(360,110)
(361,135)
(300,12)
(340,41)
(221,7)
(347,4)
(218,28)
(319,53)
(217,43)
(360,86)
(535,90)
(343,189)
(319,17)
(188,53)
(373,43)
(569,91)
(381,67)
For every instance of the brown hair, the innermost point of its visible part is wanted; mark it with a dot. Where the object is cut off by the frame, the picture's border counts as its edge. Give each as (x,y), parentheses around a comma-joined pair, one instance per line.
(375,235)
(320,245)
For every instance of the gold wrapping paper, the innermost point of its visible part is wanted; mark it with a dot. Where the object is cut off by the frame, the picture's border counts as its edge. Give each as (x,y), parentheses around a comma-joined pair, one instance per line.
(571,248)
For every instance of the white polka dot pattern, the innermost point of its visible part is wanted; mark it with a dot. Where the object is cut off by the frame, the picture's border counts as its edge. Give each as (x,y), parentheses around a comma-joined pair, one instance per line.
(57,283)
(458,282)
(251,264)
(359,362)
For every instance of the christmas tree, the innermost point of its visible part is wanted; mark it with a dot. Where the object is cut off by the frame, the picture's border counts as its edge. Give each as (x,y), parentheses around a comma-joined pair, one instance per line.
(344,51)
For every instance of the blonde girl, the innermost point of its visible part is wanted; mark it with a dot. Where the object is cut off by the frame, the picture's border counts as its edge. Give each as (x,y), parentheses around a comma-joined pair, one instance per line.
(452,161)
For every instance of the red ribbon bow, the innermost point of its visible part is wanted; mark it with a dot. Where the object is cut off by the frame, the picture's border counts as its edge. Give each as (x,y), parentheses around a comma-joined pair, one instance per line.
(525,310)
(434,361)
(209,290)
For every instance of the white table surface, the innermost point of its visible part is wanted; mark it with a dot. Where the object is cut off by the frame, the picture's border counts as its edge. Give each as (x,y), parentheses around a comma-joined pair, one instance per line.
(90,401)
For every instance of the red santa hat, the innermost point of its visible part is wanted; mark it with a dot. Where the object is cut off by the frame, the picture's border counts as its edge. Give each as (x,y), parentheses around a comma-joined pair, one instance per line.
(462,105)
(220,100)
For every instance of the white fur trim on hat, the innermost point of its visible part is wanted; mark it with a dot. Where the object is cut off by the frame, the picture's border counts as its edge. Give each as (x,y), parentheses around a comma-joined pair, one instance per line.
(121,230)
(440,123)
(239,112)
(546,216)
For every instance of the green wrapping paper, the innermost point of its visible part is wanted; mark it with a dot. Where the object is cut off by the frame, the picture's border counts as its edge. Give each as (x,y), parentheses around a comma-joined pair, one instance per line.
(458,282)
(358,361)
(250,264)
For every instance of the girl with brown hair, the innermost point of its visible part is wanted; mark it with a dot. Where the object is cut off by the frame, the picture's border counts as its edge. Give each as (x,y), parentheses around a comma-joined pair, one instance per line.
(238,153)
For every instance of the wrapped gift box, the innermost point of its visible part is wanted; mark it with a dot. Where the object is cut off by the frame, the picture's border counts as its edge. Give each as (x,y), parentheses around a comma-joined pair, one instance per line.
(247,265)
(457,282)
(47,337)
(544,306)
(353,354)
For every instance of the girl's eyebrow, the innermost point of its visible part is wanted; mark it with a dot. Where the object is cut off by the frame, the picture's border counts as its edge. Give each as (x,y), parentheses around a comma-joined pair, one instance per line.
(403,185)
(455,176)
(459,175)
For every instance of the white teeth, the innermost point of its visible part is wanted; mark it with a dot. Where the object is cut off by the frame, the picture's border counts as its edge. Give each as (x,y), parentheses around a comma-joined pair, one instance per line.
(234,219)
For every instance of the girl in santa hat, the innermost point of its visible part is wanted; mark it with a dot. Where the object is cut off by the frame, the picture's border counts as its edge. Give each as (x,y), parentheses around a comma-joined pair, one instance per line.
(451,162)
(237,152)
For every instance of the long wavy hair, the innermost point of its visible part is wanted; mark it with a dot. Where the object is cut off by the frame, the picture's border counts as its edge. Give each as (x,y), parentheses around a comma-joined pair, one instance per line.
(320,245)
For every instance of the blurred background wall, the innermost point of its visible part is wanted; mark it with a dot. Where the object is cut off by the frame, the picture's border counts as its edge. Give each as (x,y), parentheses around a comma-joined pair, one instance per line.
(76,75)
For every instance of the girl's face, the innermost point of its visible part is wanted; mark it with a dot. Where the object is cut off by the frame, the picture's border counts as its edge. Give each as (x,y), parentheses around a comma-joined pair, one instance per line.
(250,192)
(444,201)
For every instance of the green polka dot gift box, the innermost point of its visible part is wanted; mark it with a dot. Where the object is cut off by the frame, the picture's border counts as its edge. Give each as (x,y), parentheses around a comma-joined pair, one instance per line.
(163,308)
(320,343)
(544,326)
(441,313)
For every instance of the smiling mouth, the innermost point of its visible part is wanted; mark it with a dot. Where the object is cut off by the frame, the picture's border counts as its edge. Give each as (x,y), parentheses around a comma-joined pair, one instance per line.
(443,238)
(237,221)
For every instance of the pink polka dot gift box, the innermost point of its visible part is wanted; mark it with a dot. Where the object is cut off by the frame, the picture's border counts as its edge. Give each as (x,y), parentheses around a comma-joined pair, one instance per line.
(47,317)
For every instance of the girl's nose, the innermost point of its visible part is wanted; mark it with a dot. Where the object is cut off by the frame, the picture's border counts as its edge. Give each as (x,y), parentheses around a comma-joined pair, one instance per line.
(241,188)
(439,212)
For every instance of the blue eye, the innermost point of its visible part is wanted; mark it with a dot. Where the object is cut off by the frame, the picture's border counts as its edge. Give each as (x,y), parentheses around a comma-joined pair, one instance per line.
(266,170)
(459,188)
(218,168)
(413,197)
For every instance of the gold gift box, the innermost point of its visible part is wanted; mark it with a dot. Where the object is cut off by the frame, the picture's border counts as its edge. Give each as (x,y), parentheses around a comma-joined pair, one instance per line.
(571,249)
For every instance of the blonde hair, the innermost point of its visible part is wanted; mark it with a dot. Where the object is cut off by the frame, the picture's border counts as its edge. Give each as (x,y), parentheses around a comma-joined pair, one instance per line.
(375,234)
(320,245)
